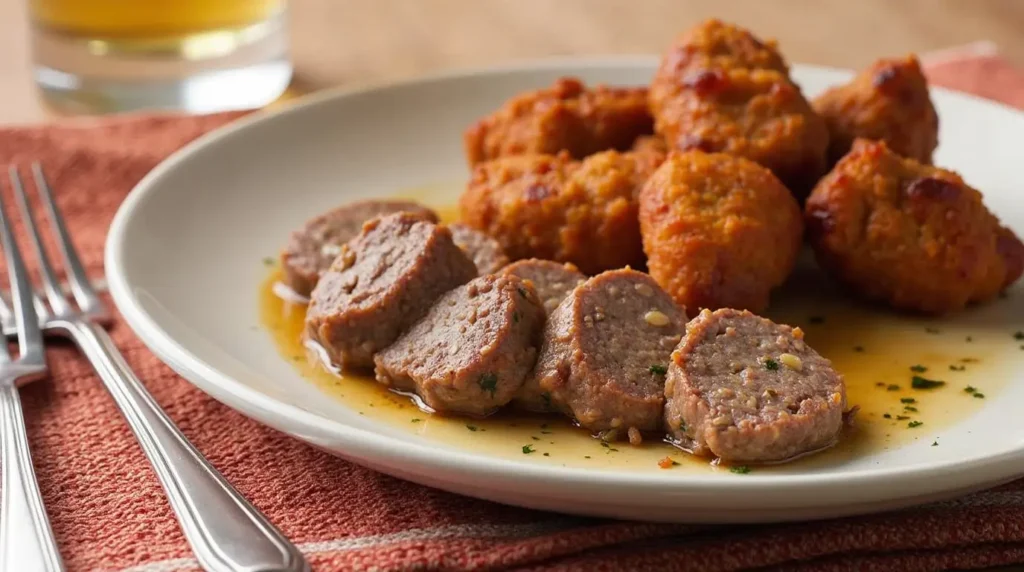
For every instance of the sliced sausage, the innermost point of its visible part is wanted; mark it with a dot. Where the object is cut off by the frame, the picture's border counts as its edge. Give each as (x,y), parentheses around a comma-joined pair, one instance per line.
(483,250)
(745,389)
(382,282)
(552,280)
(605,353)
(312,248)
(472,350)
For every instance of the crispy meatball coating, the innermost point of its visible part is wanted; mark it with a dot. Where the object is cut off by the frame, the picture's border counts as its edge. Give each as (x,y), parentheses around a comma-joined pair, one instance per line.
(716,44)
(758,114)
(719,231)
(888,101)
(568,116)
(554,208)
(913,236)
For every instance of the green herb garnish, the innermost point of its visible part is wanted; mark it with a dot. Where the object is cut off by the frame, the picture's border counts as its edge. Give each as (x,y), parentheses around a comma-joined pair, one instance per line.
(489,382)
(935,443)
(473,428)
(771,364)
(527,449)
(902,417)
(970,389)
(918,368)
(658,369)
(515,316)
(740,470)
(913,424)
(957,367)
(892,387)
(979,395)
(547,454)
(918,382)
(887,416)
(910,409)
(907,400)
(417,420)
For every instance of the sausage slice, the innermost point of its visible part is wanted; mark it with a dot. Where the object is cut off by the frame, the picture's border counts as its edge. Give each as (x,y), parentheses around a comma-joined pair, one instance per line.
(483,250)
(472,350)
(552,280)
(747,390)
(605,352)
(312,248)
(382,282)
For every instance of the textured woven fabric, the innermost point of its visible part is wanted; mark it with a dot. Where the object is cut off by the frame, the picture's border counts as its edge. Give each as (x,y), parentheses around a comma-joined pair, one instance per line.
(109,512)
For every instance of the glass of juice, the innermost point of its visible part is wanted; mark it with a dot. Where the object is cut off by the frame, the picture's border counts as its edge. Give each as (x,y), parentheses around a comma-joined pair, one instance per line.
(101,56)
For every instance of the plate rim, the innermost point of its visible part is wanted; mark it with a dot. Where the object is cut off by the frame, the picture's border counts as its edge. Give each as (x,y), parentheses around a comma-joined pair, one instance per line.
(240,397)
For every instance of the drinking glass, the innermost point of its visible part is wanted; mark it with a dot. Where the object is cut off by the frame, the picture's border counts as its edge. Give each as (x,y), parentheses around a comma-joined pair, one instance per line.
(99,56)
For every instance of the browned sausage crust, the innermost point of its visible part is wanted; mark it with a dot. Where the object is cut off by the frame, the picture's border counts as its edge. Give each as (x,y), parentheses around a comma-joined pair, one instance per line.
(720,89)
(719,230)
(605,352)
(312,248)
(913,236)
(568,116)
(472,350)
(484,251)
(887,101)
(384,280)
(746,390)
(551,207)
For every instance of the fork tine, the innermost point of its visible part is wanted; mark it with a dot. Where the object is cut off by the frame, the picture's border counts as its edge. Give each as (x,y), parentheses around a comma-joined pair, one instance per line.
(50,285)
(83,291)
(30,339)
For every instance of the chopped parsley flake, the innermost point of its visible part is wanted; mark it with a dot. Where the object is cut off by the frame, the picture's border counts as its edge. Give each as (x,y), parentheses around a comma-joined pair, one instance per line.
(913,424)
(902,417)
(918,382)
(979,395)
(957,367)
(473,428)
(534,438)
(740,470)
(586,456)
(417,420)
(547,454)
(907,400)
(935,443)
(892,387)
(527,449)
(918,368)
(887,416)
(970,360)
(910,409)
(970,389)
(489,382)
(545,432)
(658,369)
(515,316)
(771,364)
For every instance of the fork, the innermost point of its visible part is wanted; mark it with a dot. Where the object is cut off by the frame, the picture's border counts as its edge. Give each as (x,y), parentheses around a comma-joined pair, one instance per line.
(26,539)
(226,533)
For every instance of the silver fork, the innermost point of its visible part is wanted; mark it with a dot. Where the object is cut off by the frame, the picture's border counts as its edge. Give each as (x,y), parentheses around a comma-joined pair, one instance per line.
(226,532)
(26,540)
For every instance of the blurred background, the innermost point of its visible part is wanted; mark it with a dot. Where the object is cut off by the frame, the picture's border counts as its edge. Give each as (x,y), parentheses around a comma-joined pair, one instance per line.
(330,43)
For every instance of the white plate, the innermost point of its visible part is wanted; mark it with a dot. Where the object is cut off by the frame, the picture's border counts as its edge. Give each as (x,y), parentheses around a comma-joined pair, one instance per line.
(184,261)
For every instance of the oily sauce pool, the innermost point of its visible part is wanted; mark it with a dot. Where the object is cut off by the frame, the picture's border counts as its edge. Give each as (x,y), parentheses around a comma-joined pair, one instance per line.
(910,378)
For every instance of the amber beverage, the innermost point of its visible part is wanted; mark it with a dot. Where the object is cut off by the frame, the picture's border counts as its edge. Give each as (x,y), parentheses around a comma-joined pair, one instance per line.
(97,56)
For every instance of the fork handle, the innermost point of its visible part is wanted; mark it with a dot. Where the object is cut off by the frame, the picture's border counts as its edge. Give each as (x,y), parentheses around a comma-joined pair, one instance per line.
(26,540)
(226,532)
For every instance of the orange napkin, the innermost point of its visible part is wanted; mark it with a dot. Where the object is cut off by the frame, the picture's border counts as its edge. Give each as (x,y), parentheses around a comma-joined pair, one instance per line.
(109,512)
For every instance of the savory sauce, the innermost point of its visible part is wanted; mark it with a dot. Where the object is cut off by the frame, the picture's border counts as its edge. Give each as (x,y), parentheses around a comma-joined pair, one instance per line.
(910,377)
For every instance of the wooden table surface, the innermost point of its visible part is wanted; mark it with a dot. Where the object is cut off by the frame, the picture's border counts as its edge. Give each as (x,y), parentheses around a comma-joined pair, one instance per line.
(339,42)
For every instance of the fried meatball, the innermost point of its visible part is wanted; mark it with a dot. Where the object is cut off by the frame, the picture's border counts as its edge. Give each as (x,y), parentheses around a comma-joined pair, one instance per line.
(719,231)
(554,208)
(716,44)
(567,116)
(887,101)
(913,236)
(758,114)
